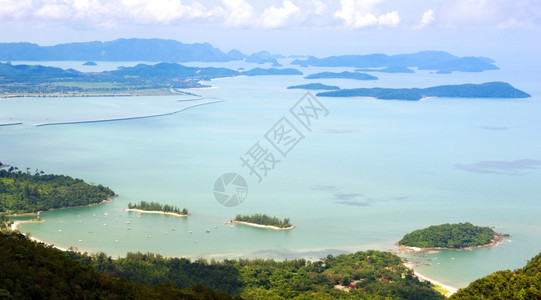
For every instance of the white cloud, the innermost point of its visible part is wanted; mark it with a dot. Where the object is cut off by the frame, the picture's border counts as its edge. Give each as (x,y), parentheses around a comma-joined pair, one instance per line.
(363,13)
(274,16)
(428,18)
(240,13)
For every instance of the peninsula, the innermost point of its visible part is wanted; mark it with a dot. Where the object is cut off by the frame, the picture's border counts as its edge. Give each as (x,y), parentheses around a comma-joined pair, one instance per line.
(484,90)
(263,221)
(461,236)
(26,193)
(157,208)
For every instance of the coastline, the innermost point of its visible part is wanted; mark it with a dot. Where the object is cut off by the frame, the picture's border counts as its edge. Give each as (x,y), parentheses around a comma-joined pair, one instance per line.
(157,212)
(498,238)
(445,289)
(261,226)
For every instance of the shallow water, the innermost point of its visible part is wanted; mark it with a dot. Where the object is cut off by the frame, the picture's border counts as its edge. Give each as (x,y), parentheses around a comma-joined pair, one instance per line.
(362,176)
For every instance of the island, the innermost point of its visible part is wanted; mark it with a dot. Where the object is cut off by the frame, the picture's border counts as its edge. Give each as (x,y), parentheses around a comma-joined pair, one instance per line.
(142,79)
(460,236)
(90,63)
(314,86)
(483,90)
(157,208)
(345,74)
(263,221)
(439,61)
(271,71)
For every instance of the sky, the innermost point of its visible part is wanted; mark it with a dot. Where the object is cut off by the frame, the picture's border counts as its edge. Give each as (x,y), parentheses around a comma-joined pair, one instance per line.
(317,27)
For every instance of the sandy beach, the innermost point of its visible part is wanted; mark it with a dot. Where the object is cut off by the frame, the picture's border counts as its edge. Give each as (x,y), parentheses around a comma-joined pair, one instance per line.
(447,290)
(157,212)
(261,226)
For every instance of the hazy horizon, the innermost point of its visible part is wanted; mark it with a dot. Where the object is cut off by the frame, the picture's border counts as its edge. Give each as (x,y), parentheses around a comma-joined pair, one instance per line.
(307,27)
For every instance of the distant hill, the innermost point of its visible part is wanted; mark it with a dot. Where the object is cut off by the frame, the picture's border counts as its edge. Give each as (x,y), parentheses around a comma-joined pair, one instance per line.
(314,86)
(156,50)
(440,61)
(484,90)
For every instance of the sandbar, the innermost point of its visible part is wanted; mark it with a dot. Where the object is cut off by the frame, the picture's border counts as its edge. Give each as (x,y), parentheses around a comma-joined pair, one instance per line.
(157,212)
(261,226)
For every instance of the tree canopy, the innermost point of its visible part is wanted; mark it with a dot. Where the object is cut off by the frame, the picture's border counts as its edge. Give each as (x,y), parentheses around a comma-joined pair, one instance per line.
(452,236)
(264,220)
(523,283)
(23,192)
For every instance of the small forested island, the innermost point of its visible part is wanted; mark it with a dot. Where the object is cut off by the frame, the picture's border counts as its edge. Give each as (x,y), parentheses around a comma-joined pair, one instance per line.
(524,283)
(263,221)
(24,192)
(271,71)
(314,86)
(483,90)
(460,236)
(155,207)
(90,63)
(345,74)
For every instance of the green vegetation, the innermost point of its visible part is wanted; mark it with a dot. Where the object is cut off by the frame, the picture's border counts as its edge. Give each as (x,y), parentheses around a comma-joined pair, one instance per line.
(5,222)
(29,270)
(345,74)
(371,274)
(21,80)
(520,284)
(23,192)
(484,90)
(454,236)
(264,220)
(155,206)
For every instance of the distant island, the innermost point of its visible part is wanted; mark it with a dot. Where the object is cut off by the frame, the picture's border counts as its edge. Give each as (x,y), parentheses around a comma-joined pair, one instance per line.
(90,63)
(484,90)
(387,70)
(345,74)
(157,208)
(263,221)
(142,79)
(271,71)
(314,86)
(461,236)
(439,61)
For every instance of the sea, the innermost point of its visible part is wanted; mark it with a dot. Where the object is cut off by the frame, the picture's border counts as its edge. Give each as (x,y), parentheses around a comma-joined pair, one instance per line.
(351,174)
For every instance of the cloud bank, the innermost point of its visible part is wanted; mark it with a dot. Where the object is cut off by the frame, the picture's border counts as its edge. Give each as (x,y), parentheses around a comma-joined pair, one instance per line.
(345,14)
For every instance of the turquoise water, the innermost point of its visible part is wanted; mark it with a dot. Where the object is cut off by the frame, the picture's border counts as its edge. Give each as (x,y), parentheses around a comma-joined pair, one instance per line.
(366,174)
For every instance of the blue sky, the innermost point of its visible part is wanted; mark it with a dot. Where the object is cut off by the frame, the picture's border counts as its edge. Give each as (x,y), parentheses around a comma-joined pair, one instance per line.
(319,27)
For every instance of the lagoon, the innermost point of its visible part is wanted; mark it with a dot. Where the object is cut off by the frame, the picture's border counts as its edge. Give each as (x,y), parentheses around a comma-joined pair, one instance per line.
(362,177)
